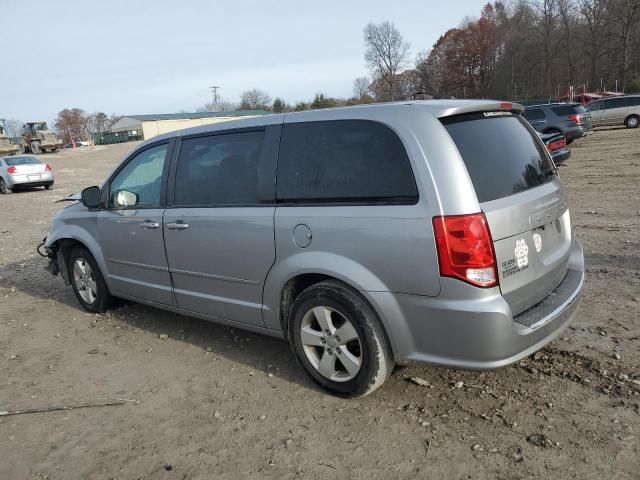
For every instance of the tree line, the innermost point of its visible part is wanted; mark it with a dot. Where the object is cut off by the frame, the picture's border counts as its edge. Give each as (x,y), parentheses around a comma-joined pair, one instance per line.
(515,50)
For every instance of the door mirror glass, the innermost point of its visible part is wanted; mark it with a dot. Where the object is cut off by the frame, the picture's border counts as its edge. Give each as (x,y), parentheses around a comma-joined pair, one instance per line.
(91,197)
(124,198)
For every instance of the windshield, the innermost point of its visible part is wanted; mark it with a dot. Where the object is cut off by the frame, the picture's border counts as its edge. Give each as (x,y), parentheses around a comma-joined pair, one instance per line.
(40,126)
(15,161)
(502,155)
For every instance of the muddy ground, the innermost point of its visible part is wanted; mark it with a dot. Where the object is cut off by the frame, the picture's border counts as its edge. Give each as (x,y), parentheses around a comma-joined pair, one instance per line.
(212,402)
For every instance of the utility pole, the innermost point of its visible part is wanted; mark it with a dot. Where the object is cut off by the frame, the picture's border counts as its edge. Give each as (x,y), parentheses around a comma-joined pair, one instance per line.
(214,97)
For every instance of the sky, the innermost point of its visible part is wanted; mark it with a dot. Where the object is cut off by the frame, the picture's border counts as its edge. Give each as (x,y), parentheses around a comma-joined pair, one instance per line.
(140,57)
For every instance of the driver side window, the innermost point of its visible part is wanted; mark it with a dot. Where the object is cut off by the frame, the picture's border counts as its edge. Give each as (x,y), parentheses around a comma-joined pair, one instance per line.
(139,183)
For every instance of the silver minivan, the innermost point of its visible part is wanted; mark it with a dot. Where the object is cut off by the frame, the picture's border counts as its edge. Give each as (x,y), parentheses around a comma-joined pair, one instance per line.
(623,110)
(369,236)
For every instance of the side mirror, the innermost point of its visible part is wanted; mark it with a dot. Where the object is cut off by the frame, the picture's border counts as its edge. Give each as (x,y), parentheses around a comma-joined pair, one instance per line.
(91,197)
(125,198)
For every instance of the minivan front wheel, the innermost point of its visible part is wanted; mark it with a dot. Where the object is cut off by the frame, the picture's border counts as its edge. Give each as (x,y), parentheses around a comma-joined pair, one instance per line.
(87,281)
(338,340)
(632,121)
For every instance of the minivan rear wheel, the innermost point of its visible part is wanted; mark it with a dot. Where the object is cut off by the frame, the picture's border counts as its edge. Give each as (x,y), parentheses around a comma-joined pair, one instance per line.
(632,121)
(338,340)
(87,281)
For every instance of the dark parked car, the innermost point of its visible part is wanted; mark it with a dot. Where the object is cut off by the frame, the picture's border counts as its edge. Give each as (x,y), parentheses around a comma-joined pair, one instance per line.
(570,119)
(556,144)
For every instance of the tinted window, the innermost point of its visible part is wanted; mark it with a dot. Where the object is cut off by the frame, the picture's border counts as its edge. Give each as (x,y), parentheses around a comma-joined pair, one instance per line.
(501,154)
(594,106)
(534,114)
(344,161)
(565,110)
(142,176)
(615,103)
(219,170)
(15,161)
(633,101)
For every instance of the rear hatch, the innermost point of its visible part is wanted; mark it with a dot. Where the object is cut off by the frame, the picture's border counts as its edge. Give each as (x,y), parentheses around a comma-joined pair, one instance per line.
(524,203)
(574,114)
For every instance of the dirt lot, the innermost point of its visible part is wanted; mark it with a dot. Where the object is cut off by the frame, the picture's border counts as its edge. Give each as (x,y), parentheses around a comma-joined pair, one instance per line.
(211,402)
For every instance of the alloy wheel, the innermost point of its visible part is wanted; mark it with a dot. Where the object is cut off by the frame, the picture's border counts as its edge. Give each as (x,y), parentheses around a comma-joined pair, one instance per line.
(85,280)
(331,344)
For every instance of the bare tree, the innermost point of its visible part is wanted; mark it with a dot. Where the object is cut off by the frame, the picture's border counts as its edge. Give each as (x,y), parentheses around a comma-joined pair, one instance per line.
(255,99)
(220,106)
(386,53)
(13,127)
(361,87)
(113,118)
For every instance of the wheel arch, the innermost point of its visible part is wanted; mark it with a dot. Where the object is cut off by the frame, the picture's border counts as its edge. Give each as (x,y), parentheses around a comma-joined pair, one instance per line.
(77,238)
(290,278)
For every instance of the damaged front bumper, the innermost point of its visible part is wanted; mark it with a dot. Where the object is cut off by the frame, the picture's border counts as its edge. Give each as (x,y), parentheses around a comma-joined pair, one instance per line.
(57,264)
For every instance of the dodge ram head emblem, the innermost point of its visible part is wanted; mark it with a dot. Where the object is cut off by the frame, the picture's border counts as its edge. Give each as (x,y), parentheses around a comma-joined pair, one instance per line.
(522,253)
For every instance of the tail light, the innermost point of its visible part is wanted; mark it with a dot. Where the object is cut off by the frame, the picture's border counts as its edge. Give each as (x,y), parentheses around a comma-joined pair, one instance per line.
(557,145)
(11,169)
(465,249)
(575,118)
(47,167)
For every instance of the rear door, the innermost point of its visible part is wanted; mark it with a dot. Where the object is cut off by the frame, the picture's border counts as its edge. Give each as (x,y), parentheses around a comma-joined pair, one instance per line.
(523,200)
(218,227)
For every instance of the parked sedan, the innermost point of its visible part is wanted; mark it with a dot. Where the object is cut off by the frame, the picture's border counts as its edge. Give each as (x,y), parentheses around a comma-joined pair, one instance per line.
(24,171)
(556,144)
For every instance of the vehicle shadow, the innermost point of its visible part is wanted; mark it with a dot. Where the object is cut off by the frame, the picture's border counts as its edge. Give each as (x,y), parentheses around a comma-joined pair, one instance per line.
(257,352)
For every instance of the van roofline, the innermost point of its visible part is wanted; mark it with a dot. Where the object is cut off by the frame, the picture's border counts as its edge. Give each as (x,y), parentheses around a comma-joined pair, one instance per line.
(438,108)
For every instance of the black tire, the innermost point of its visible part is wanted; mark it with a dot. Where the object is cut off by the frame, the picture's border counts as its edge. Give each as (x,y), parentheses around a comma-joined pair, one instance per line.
(632,121)
(103,298)
(48,187)
(375,356)
(4,189)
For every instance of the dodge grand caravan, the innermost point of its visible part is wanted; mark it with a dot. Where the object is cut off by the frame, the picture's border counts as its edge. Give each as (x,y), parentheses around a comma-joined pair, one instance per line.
(433,231)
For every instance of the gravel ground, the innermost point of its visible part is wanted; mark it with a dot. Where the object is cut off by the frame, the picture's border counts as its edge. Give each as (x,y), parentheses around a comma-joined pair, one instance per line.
(213,402)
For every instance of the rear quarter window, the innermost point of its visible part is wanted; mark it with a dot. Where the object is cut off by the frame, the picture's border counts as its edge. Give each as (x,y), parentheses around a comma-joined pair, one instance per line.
(501,153)
(343,161)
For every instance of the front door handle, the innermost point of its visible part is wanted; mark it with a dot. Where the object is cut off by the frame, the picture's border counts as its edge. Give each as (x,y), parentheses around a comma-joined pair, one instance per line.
(179,225)
(149,225)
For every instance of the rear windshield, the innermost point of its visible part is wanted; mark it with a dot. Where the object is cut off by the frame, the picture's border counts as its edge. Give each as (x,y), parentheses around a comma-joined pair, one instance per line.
(501,154)
(15,161)
(568,110)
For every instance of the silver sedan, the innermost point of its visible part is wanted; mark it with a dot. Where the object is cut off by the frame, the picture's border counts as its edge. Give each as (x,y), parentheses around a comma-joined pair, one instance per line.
(24,171)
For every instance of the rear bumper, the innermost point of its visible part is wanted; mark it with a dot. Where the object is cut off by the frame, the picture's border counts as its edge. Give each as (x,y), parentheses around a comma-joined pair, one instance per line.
(35,180)
(560,156)
(578,131)
(478,332)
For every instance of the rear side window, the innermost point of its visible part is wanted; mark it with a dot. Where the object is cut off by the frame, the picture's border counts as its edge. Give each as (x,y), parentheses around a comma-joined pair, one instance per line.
(352,161)
(15,161)
(534,114)
(219,170)
(565,110)
(615,103)
(500,152)
(633,101)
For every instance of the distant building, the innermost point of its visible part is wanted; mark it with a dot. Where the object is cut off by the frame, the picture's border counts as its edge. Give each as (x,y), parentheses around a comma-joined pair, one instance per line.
(144,127)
